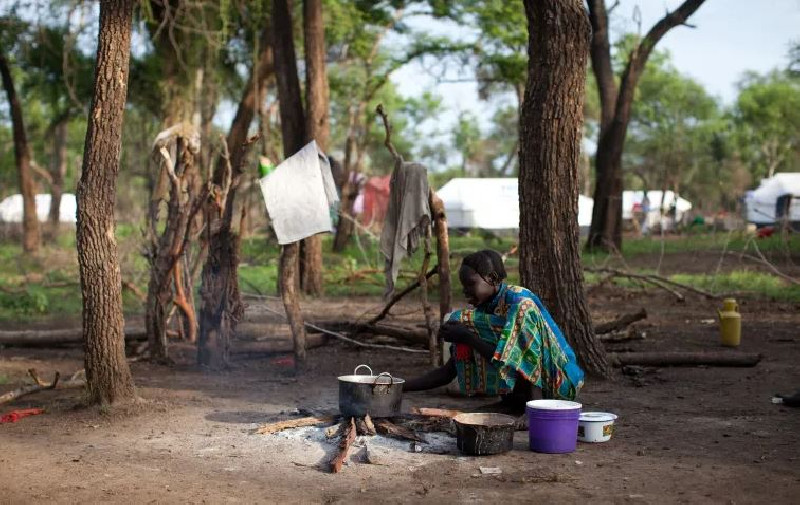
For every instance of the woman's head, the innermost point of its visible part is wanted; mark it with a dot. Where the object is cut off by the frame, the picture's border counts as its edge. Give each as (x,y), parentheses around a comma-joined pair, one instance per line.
(481,274)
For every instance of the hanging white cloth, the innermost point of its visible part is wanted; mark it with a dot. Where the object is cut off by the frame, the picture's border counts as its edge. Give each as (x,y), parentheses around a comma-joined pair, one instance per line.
(299,195)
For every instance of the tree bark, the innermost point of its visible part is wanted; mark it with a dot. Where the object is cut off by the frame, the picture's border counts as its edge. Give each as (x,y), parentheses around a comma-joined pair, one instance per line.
(108,374)
(57,173)
(31,238)
(442,253)
(605,232)
(317,127)
(550,126)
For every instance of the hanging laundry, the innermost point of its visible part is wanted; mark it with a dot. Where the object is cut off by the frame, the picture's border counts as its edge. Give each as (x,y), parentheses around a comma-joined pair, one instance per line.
(407,218)
(299,194)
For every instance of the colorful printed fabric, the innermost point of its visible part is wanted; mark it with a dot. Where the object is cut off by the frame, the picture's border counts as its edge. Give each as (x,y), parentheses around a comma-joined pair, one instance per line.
(528,344)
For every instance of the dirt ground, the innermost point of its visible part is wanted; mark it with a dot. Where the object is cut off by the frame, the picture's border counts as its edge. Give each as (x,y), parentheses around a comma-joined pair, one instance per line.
(684,435)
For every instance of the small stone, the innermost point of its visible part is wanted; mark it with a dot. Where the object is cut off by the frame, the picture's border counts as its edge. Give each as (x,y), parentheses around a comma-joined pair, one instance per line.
(485,470)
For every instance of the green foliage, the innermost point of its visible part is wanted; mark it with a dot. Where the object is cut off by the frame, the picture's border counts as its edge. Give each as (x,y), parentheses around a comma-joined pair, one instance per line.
(675,132)
(767,114)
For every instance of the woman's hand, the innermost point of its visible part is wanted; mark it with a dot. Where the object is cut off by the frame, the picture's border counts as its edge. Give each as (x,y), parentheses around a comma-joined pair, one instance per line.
(456,333)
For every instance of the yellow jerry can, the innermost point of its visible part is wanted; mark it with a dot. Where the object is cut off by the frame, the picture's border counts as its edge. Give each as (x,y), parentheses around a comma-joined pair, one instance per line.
(730,323)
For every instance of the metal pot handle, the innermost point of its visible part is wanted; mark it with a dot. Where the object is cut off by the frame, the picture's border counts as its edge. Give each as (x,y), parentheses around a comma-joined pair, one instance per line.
(355,372)
(384,374)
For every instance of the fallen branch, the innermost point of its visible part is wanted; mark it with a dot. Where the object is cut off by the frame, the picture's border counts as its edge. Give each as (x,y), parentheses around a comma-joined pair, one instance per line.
(412,335)
(620,323)
(656,280)
(344,446)
(343,338)
(396,298)
(274,346)
(434,412)
(37,386)
(270,428)
(623,336)
(716,358)
(763,260)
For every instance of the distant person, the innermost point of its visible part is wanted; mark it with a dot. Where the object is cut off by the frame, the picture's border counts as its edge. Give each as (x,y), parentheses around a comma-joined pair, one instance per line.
(645,215)
(506,345)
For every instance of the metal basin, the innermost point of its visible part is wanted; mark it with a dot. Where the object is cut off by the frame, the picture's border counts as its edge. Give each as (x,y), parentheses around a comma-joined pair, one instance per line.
(482,434)
(377,395)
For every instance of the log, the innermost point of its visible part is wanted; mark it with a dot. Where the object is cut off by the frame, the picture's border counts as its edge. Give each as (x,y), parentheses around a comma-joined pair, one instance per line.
(344,446)
(270,428)
(670,358)
(631,333)
(412,335)
(44,338)
(37,386)
(275,346)
(621,323)
(388,428)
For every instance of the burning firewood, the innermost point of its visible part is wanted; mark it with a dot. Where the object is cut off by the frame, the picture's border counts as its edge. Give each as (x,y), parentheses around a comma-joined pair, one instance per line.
(365,427)
(386,427)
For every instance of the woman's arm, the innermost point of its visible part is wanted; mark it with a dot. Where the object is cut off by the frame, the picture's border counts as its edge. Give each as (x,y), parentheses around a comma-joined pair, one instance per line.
(435,378)
(460,334)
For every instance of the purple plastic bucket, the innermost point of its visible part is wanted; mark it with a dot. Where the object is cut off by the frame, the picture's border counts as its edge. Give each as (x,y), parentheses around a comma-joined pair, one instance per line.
(553,425)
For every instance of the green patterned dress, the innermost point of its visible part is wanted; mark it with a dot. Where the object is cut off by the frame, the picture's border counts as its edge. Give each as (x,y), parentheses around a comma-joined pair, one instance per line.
(528,345)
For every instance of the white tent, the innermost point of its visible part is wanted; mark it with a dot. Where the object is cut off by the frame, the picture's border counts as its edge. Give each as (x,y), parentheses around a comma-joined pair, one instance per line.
(11,208)
(761,202)
(631,199)
(491,204)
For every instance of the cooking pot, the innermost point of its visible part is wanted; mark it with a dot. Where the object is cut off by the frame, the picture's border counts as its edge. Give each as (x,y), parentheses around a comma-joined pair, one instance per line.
(377,395)
(481,434)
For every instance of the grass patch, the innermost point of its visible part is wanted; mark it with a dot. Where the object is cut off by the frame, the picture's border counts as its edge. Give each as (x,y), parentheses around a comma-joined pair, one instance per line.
(27,293)
(745,282)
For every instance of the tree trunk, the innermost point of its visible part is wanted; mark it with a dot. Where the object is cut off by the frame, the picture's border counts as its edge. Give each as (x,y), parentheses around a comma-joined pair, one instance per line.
(107,373)
(550,146)
(248,104)
(31,240)
(442,253)
(222,306)
(288,274)
(291,103)
(317,127)
(57,172)
(166,257)
(345,225)
(606,230)
(294,134)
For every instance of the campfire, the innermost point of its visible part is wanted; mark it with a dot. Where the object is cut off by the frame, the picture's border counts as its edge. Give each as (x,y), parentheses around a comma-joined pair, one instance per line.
(407,428)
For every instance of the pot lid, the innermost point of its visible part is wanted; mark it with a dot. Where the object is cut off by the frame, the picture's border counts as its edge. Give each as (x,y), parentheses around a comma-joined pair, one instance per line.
(553,405)
(597,417)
